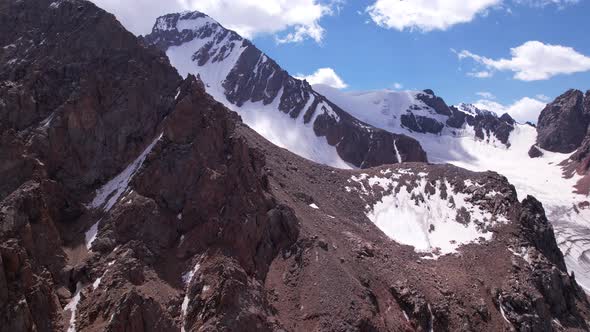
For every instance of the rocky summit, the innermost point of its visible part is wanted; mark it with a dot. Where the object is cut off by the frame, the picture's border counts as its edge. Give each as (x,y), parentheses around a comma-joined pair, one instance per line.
(132,200)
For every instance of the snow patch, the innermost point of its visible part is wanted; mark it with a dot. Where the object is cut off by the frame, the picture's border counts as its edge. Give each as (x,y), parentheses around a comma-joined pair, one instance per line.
(430,222)
(72,306)
(55,4)
(90,235)
(314,206)
(107,196)
(502,312)
(194,24)
(397,154)
(523,253)
(186,279)
(96,283)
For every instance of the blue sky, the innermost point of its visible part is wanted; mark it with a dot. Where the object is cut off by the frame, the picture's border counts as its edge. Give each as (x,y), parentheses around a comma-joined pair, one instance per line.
(376,44)
(367,56)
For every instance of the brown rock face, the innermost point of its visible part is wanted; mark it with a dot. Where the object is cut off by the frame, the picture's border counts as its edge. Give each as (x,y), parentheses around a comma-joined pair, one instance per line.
(133,201)
(64,93)
(563,124)
(534,152)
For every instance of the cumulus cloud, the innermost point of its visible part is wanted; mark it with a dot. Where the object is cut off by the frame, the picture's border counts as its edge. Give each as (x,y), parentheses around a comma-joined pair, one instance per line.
(534,61)
(294,20)
(427,15)
(325,76)
(524,110)
(398,86)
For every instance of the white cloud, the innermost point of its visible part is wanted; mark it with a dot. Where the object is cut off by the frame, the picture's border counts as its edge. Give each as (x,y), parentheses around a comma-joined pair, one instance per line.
(326,76)
(486,95)
(398,86)
(296,19)
(533,61)
(480,74)
(543,3)
(427,15)
(523,110)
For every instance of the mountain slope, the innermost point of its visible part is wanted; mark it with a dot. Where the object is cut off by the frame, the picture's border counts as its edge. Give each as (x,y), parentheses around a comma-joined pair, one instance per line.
(192,221)
(504,149)
(285,110)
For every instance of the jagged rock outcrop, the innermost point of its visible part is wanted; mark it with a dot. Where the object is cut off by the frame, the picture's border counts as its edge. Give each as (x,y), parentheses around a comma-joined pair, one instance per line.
(195,222)
(563,124)
(535,152)
(435,102)
(486,124)
(421,124)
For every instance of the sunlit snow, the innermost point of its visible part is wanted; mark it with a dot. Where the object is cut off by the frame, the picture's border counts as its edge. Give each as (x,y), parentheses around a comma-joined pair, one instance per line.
(90,235)
(431,225)
(186,279)
(72,306)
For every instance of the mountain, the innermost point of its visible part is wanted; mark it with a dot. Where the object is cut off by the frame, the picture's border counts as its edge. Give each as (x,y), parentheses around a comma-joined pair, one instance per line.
(131,200)
(282,109)
(285,110)
(487,142)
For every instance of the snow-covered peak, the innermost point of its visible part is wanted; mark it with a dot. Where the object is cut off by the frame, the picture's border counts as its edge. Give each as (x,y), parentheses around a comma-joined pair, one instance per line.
(191,21)
(473,110)
(388,102)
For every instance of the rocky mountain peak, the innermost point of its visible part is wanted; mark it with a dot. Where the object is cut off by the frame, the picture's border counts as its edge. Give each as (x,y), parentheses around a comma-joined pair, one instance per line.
(437,103)
(563,124)
(192,20)
(249,82)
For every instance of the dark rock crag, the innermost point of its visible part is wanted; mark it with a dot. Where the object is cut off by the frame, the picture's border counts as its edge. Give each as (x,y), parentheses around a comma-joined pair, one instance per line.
(563,124)
(535,152)
(485,123)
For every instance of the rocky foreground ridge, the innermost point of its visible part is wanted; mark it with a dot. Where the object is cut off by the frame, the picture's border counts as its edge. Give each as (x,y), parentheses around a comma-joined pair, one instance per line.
(130,200)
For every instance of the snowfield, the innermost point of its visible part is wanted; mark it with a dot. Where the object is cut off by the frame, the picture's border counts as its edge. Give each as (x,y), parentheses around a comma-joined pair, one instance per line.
(540,177)
(432,221)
